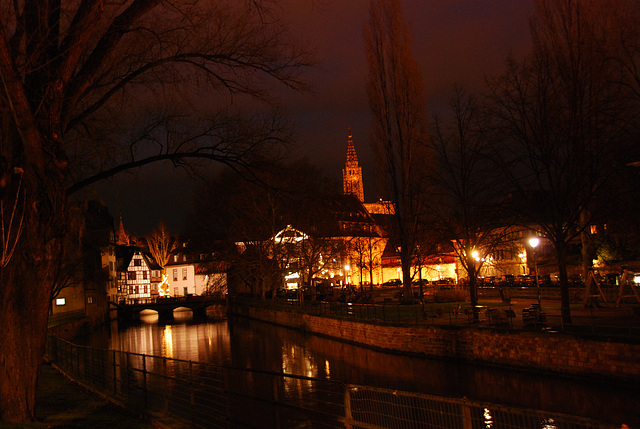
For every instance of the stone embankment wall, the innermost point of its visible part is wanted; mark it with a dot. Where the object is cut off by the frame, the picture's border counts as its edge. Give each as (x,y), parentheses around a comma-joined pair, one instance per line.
(549,352)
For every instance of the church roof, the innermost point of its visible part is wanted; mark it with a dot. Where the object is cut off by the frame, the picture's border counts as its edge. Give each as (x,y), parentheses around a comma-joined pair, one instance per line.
(339,216)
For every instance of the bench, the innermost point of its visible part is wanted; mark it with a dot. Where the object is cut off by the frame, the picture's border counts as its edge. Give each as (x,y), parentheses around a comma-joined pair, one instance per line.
(533,316)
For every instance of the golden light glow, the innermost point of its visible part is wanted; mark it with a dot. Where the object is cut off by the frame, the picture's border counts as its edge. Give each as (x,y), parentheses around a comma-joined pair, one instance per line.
(163,288)
(167,341)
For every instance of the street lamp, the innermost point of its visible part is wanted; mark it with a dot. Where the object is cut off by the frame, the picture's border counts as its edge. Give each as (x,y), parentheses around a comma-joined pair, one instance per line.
(533,242)
(347,281)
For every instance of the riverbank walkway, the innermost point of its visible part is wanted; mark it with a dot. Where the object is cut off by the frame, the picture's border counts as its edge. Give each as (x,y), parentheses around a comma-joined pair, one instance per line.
(604,322)
(63,404)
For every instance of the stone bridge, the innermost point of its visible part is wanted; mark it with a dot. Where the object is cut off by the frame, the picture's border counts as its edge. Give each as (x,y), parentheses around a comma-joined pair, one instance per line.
(130,310)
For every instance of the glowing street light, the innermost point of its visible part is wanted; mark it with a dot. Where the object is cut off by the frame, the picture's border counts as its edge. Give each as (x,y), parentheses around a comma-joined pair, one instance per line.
(533,242)
(347,267)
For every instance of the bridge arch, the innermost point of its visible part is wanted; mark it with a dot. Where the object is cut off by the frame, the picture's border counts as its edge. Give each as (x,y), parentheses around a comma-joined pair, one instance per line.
(165,307)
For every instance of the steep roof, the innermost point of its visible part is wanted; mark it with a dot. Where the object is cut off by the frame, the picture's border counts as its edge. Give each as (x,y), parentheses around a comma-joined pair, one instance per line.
(124,255)
(338,216)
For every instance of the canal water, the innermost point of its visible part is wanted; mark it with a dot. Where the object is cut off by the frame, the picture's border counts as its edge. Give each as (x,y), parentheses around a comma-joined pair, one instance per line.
(244,343)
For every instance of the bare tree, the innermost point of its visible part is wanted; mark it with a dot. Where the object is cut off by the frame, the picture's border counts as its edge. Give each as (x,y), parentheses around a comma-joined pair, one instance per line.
(315,254)
(397,101)
(366,251)
(71,68)
(161,244)
(469,193)
(562,114)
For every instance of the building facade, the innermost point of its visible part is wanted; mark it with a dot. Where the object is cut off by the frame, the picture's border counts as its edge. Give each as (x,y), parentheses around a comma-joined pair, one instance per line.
(139,277)
(195,273)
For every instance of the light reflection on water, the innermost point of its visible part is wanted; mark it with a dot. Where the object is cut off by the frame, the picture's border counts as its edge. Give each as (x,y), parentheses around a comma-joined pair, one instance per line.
(243,343)
(488,420)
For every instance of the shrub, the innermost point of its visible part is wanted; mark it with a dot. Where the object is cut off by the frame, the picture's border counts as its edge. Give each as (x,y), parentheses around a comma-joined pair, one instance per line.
(450,295)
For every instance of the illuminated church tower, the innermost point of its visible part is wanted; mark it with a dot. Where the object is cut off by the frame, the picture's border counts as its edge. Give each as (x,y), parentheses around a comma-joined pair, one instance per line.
(352,172)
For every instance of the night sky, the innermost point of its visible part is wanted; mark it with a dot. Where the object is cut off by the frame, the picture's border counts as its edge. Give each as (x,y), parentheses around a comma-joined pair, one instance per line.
(456,42)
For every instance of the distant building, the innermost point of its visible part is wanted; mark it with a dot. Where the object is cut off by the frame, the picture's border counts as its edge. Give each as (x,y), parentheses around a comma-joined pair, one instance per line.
(352,172)
(376,260)
(190,272)
(87,278)
(122,237)
(139,275)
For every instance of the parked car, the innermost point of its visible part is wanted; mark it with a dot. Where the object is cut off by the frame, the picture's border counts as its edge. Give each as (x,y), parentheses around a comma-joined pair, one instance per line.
(544,280)
(445,283)
(392,283)
(423,282)
(508,279)
(525,280)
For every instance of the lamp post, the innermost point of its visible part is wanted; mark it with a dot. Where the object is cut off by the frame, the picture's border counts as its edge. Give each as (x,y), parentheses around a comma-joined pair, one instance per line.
(533,242)
(347,281)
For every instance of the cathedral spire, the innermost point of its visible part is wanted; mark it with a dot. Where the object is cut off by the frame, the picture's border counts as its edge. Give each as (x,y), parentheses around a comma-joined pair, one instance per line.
(352,172)
(352,157)
(122,236)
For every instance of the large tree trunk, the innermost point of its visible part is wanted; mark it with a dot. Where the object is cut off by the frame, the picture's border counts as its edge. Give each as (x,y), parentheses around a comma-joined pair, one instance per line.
(405,260)
(24,310)
(565,301)
(26,285)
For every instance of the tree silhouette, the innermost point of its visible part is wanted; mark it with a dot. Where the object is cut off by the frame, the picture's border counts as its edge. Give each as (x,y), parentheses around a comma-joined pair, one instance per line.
(161,244)
(563,117)
(77,78)
(398,135)
(470,194)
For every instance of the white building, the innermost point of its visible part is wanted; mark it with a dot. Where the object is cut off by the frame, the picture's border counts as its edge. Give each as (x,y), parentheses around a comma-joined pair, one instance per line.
(195,275)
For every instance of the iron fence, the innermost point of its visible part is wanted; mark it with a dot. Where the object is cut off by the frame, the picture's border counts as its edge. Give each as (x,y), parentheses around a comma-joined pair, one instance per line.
(623,327)
(186,394)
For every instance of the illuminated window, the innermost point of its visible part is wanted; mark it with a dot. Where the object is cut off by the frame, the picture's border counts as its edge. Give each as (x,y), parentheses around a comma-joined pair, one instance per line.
(89,300)
(61,301)
(594,229)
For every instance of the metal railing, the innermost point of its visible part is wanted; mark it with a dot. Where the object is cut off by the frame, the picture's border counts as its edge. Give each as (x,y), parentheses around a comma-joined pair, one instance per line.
(625,327)
(182,394)
(383,313)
